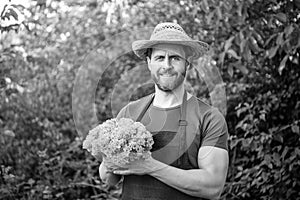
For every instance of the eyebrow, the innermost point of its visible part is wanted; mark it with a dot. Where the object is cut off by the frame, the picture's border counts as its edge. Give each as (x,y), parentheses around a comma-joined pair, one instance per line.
(171,54)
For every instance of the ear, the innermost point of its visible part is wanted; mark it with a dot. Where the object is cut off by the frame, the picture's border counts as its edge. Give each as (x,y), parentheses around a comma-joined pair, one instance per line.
(148,62)
(188,65)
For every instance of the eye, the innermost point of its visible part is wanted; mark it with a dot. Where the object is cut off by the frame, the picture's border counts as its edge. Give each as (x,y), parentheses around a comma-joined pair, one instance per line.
(176,58)
(159,58)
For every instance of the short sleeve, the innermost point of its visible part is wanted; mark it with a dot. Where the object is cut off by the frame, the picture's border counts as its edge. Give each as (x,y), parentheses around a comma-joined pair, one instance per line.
(122,112)
(214,129)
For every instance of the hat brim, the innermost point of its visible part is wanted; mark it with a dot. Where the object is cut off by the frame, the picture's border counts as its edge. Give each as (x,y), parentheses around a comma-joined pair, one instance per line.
(199,48)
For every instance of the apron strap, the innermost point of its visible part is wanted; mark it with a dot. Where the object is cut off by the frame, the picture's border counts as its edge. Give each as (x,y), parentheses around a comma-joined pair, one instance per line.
(141,115)
(182,130)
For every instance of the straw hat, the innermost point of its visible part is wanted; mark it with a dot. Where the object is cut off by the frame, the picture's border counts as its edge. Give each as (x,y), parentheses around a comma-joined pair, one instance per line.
(170,33)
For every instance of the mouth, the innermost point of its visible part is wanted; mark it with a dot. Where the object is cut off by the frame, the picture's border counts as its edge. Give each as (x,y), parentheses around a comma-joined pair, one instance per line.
(167,75)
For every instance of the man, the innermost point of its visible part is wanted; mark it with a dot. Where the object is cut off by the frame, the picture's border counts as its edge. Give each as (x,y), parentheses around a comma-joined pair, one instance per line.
(189,156)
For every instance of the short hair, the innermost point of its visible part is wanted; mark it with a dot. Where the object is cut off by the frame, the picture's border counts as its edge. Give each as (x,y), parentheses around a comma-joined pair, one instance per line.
(148,53)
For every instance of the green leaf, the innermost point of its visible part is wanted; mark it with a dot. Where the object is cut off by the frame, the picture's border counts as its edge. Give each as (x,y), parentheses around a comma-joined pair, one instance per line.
(282,64)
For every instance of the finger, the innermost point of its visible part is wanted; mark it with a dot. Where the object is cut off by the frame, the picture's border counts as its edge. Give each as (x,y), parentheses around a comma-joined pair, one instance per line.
(122,172)
(111,168)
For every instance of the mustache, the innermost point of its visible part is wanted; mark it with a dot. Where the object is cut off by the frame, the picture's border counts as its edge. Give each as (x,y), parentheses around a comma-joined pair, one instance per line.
(167,72)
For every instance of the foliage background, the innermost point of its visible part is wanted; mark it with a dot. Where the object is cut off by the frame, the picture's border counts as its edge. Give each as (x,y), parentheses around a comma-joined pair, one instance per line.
(255,45)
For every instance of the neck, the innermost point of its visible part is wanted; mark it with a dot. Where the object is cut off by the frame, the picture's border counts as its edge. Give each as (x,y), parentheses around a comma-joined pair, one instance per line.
(164,99)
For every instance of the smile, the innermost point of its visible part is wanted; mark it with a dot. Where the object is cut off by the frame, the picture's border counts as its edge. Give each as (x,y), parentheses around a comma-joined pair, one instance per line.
(167,75)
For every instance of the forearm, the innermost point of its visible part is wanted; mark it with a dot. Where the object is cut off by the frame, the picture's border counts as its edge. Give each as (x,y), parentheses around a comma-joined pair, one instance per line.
(195,182)
(108,177)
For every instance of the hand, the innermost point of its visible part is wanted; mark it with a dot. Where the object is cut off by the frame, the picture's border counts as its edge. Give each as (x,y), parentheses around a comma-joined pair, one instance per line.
(106,175)
(110,167)
(139,167)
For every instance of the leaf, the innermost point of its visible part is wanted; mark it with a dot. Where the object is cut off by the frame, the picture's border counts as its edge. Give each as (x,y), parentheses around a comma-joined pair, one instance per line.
(288,30)
(234,143)
(295,129)
(262,116)
(270,39)
(228,43)
(246,142)
(234,54)
(239,11)
(254,46)
(285,151)
(221,58)
(258,37)
(247,53)
(272,51)
(279,39)
(278,138)
(230,70)
(239,174)
(267,159)
(241,35)
(297,3)
(281,17)
(9,133)
(243,69)
(282,64)
(204,6)
(209,17)
(219,13)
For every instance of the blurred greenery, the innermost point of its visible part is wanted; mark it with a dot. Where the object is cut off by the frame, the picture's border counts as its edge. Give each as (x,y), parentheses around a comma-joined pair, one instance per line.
(255,45)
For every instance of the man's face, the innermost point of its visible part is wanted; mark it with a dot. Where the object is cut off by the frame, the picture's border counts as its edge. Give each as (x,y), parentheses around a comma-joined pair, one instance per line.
(167,66)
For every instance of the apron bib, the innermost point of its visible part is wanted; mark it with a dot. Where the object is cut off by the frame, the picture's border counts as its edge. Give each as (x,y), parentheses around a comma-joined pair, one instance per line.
(146,187)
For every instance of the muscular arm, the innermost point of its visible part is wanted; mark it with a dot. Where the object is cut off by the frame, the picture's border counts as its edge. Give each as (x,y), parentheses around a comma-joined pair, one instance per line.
(207,181)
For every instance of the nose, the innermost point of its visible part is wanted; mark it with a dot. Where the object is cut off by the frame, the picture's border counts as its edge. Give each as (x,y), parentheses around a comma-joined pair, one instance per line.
(167,63)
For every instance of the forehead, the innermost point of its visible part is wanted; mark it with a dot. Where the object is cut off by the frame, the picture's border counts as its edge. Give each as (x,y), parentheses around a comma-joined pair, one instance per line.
(170,48)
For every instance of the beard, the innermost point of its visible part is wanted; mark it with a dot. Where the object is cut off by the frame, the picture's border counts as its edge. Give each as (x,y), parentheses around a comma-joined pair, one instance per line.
(168,80)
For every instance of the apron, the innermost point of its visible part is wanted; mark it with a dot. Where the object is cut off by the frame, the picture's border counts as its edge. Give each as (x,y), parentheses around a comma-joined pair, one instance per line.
(146,187)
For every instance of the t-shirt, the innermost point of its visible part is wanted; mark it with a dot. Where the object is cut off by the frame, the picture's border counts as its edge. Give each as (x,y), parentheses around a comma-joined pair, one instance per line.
(206,126)
(203,120)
